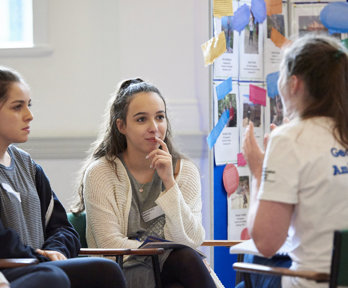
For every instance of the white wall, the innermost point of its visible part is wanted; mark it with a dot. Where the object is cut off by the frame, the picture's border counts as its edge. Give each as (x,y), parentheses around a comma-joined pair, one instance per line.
(97,43)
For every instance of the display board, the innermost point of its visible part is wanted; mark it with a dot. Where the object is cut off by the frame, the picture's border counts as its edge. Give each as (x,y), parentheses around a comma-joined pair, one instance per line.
(245,53)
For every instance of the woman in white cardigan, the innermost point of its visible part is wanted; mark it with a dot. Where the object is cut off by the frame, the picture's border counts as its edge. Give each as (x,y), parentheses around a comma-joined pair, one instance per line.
(135,184)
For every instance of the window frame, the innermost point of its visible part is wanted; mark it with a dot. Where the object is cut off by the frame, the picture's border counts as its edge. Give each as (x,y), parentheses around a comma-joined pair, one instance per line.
(41,45)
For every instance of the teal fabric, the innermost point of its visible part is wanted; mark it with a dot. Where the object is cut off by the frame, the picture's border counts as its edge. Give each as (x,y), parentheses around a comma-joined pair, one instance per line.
(79,223)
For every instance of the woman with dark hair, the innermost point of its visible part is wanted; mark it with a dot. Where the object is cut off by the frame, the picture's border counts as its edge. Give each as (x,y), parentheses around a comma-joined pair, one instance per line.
(301,190)
(135,184)
(33,223)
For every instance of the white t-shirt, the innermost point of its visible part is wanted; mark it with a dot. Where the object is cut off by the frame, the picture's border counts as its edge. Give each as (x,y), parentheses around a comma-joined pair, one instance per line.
(305,166)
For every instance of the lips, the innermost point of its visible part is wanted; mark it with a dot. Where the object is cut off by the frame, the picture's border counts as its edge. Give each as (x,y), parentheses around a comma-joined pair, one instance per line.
(152,139)
(27,129)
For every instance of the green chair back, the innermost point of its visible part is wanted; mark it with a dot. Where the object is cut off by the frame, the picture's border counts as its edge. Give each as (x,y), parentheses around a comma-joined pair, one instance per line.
(339,265)
(79,223)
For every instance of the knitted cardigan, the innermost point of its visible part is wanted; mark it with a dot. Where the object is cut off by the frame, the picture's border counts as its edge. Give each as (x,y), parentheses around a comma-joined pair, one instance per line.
(108,196)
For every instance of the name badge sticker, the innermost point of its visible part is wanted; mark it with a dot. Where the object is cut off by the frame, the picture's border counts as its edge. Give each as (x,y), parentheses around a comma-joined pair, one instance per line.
(9,189)
(152,213)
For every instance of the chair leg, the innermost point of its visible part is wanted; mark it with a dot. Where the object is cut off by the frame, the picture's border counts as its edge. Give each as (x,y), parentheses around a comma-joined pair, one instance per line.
(240,258)
(247,280)
(156,270)
(119,260)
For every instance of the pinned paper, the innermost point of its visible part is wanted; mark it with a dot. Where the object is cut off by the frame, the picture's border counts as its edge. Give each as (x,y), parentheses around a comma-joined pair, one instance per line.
(241,18)
(215,133)
(274,7)
(258,8)
(224,88)
(222,8)
(240,160)
(214,48)
(334,17)
(272,84)
(278,39)
(230,178)
(257,95)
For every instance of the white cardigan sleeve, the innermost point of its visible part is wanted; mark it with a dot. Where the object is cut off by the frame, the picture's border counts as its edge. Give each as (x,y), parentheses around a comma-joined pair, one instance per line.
(182,205)
(3,280)
(107,202)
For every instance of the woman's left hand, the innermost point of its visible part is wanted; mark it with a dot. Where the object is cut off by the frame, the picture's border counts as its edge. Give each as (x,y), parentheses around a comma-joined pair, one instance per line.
(51,254)
(161,160)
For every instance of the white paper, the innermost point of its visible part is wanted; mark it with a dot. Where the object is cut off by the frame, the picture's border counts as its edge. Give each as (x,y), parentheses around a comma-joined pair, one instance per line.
(272,56)
(251,112)
(227,64)
(237,205)
(248,247)
(227,145)
(251,51)
(305,18)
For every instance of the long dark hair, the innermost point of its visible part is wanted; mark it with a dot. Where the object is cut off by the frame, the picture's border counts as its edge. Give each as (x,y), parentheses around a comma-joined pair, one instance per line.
(111,142)
(322,62)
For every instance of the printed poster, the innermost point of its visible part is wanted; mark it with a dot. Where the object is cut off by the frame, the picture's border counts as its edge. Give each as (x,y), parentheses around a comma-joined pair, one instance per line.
(227,145)
(272,52)
(237,207)
(251,51)
(227,64)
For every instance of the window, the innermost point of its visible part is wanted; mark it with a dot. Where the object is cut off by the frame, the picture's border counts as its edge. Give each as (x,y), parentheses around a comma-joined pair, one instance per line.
(23,26)
(16,22)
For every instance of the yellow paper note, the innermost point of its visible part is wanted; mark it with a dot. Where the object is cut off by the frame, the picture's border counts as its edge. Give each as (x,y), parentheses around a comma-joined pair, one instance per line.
(222,8)
(213,48)
(278,39)
(274,7)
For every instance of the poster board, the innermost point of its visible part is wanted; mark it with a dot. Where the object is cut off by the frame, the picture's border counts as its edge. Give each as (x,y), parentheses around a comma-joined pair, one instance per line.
(249,59)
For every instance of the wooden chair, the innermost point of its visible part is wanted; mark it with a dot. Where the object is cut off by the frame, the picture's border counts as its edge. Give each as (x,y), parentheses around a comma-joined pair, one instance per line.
(339,266)
(79,223)
(17,262)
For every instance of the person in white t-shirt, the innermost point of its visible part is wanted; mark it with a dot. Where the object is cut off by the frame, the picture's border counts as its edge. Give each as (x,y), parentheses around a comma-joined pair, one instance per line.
(300,185)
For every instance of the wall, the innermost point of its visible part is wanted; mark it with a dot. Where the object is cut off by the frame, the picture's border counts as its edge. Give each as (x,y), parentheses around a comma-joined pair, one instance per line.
(95,44)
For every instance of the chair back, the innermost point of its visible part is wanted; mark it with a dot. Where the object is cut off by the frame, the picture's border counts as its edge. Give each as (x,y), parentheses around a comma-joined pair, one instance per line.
(79,223)
(339,264)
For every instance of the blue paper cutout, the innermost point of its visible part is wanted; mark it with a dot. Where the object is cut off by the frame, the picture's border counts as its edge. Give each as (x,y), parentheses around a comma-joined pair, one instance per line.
(334,17)
(241,18)
(272,84)
(215,133)
(258,8)
(224,88)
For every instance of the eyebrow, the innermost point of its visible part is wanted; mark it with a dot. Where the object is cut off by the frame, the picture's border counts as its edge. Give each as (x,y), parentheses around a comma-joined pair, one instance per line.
(20,101)
(144,113)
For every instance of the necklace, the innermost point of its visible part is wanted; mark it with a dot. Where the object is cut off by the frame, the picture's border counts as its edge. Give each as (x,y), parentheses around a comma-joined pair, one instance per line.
(141,188)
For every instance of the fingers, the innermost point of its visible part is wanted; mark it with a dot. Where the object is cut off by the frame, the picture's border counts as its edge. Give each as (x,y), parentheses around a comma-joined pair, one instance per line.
(286,120)
(273,126)
(265,141)
(159,160)
(50,254)
(163,151)
(163,144)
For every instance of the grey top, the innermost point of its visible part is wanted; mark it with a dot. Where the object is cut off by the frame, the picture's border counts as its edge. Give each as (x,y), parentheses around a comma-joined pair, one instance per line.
(138,269)
(139,227)
(19,202)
